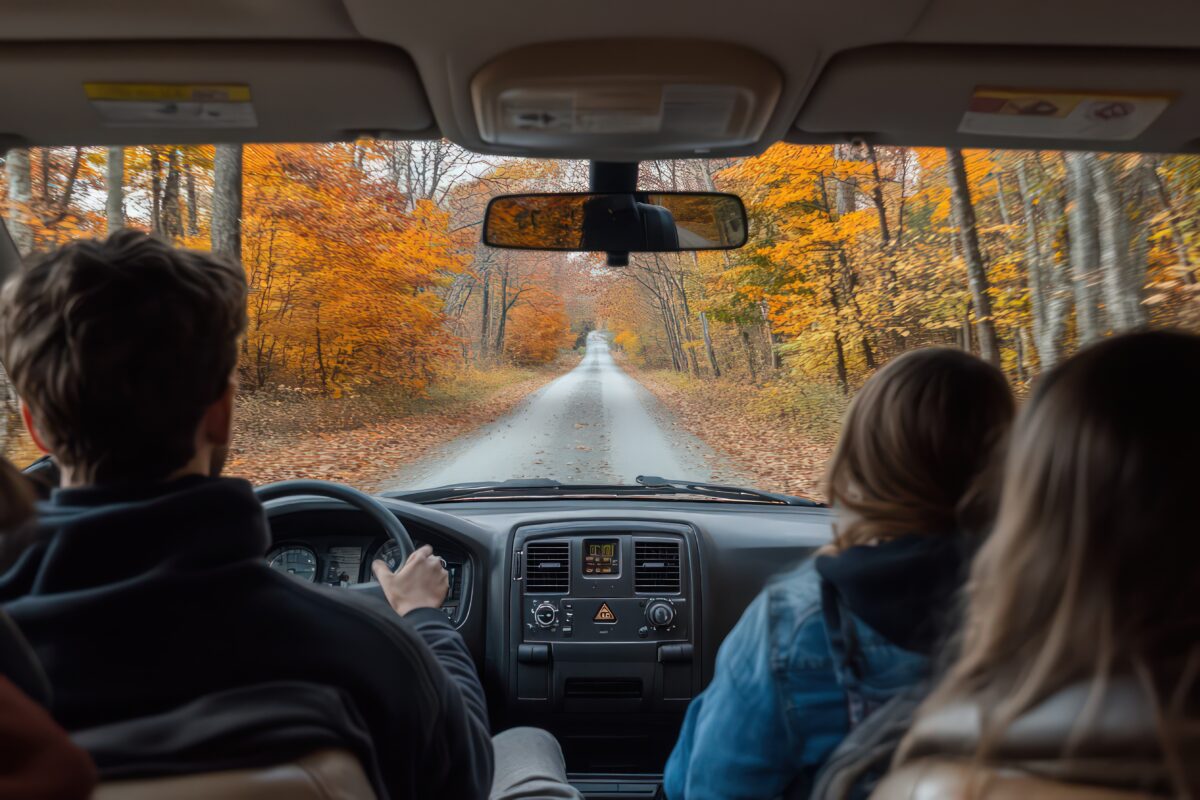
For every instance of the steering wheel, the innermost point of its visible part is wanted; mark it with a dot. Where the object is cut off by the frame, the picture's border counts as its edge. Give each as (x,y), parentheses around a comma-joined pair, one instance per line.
(337,491)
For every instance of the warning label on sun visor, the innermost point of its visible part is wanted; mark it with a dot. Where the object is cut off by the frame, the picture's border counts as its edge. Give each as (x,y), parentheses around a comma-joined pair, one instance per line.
(1061,115)
(172,105)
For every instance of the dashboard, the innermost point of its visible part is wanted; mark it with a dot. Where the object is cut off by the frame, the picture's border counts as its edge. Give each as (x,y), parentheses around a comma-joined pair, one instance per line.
(343,558)
(598,620)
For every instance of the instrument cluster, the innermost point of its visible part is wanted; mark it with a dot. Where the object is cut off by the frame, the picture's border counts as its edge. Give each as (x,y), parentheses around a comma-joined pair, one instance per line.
(340,561)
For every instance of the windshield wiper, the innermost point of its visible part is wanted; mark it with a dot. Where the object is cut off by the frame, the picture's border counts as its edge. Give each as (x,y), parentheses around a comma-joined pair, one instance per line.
(474,489)
(722,490)
(648,486)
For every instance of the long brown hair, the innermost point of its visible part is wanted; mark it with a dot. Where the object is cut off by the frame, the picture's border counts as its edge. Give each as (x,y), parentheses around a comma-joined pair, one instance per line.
(917,447)
(1094,564)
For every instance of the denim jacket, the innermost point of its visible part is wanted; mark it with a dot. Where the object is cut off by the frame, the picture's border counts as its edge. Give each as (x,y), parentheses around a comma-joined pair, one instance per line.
(794,675)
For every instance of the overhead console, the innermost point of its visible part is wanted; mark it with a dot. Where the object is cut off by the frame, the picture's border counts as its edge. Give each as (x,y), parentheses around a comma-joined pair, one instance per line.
(604,617)
(574,99)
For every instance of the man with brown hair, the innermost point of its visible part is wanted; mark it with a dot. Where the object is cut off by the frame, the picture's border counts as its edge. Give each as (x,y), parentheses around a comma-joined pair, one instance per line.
(148,588)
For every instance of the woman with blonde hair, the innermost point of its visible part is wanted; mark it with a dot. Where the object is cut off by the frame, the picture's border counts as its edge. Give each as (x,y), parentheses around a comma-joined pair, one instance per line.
(912,487)
(1080,648)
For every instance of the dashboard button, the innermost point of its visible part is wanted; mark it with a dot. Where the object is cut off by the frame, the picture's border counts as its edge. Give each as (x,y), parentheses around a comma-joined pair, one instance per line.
(660,613)
(545,615)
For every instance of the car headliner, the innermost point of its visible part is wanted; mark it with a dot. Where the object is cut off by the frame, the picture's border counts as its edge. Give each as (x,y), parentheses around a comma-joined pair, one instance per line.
(884,71)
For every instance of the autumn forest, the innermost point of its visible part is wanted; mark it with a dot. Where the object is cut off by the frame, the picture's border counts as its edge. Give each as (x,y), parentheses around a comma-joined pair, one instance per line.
(368,279)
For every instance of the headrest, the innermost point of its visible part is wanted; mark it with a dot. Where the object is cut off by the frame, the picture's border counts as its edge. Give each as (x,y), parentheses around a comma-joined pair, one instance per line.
(237,729)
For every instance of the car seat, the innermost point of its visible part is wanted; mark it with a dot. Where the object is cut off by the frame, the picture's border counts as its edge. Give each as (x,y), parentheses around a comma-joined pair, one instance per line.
(1116,755)
(287,739)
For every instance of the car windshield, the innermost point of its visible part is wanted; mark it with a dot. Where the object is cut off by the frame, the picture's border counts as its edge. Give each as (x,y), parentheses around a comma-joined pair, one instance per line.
(389,349)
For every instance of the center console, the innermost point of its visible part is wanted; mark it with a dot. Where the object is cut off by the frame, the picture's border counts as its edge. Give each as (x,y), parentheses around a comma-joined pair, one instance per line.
(604,618)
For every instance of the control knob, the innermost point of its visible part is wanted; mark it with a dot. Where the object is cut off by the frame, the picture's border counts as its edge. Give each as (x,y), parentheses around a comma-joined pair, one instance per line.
(660,613)
(545,615)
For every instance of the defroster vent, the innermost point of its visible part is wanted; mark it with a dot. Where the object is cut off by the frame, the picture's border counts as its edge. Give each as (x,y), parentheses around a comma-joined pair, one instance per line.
(547,567)
(656,567)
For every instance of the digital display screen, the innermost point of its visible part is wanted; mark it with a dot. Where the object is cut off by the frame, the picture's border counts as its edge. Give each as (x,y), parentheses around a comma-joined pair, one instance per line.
(344,564)
(601,557)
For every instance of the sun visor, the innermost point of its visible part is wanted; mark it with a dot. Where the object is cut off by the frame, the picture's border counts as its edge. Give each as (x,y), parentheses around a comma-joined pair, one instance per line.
(573,99)
(1028,98)
(196,92)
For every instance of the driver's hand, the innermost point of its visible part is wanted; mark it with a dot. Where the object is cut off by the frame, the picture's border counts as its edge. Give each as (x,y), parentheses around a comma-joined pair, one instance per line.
(421,582)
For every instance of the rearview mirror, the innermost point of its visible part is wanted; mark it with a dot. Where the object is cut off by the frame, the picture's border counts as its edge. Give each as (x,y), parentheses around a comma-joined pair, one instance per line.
(638,222)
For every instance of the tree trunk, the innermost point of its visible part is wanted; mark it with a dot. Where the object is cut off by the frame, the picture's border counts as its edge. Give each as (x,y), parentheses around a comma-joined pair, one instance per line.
(227,201)
(172,216)
(772,353)
(155,192)
(1020,347)
(193,213)
(964,336)
(843,378)
(1085,246)
(1001,202)
(744,335)
(868,353)
(664,291)
(885,235)
(1122,278)
(20,195)
(976,272)
(322,371)
(672,346)
(485,316)
(503,304)
(708,345)
(1047,291)
(114,186)
(835,303)
(844,193)
(686,325)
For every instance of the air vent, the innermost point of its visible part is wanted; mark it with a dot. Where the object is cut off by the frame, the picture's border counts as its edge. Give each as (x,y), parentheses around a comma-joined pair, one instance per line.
(656,567)
(603,688)
(547,567)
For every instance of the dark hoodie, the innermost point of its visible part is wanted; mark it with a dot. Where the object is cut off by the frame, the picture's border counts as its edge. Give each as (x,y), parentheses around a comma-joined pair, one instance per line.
(140,600)
(904,589)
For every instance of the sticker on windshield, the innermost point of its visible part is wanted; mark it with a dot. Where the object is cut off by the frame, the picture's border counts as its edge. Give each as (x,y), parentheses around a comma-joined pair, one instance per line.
(172,105)
(1065,115)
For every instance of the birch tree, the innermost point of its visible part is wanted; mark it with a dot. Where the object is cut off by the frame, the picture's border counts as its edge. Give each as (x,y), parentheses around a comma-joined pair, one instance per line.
(1049,296)
(1122,278)
(227,201)
(20,197)
(1085,246)
(114,189)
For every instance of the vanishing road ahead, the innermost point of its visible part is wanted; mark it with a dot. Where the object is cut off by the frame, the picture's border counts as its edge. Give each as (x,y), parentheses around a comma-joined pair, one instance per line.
(593,425)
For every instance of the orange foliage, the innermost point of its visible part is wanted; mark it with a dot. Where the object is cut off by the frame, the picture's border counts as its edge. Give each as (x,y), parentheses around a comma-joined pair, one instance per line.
(539,329)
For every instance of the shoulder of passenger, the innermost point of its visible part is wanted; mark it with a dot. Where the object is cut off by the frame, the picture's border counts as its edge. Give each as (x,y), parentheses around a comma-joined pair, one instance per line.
(796,624)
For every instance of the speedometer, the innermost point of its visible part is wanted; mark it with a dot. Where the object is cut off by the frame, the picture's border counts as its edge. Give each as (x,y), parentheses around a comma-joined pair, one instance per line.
(298,561)
(389,553)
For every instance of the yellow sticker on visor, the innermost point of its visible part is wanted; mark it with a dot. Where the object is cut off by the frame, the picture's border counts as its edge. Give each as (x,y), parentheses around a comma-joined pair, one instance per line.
(172,105)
